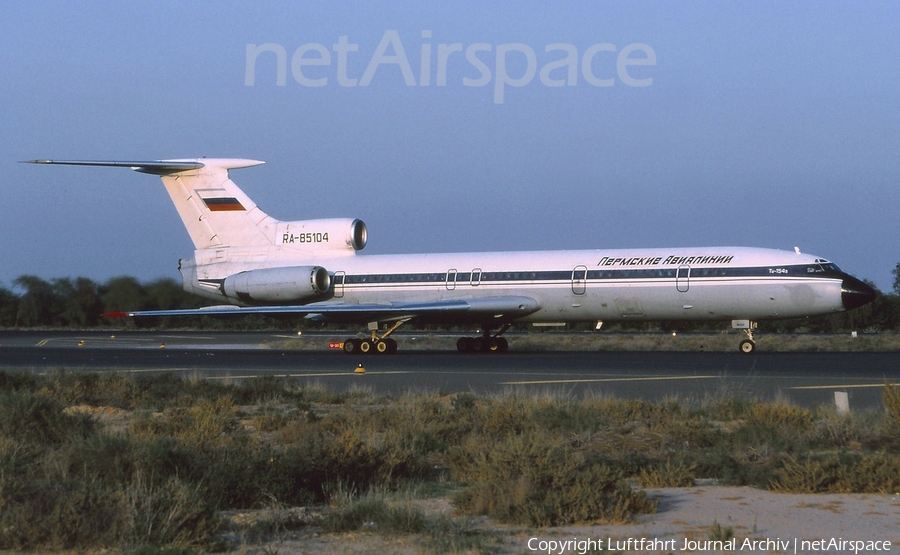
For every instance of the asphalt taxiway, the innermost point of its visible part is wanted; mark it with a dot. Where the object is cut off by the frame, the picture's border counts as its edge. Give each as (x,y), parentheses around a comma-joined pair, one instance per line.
(803,378)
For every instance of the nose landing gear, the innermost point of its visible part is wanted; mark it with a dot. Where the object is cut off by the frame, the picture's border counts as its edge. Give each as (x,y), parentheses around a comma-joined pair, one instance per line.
(747,346)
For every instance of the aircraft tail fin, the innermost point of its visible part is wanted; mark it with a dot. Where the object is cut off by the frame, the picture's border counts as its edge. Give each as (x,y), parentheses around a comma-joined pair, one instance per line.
(214,210)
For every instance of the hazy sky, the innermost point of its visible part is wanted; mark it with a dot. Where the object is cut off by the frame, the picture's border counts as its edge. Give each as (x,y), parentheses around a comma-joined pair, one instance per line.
(768,124)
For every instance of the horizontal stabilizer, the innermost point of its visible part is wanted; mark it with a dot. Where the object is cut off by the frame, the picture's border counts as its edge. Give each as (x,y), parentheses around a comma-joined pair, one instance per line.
(157,167)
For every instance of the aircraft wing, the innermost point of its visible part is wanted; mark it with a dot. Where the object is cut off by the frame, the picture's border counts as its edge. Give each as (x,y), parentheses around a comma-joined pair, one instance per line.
(470,309)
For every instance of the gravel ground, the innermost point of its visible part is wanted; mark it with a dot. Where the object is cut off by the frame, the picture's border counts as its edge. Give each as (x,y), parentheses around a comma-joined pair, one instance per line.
(780,521)
(758,521)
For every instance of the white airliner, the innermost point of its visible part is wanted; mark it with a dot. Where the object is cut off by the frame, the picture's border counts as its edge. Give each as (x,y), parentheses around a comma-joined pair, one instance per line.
(260,265)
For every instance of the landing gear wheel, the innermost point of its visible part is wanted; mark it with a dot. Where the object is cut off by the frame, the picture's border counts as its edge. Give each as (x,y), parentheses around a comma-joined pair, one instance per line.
(365,347)
(392,345)
(351,346)
(480,344)
(747,347)
(502,345)
(382,346)
(493,345)
(465,345)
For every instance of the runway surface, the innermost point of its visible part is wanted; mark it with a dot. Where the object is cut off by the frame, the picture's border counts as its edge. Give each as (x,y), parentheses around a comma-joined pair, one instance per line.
(803,378)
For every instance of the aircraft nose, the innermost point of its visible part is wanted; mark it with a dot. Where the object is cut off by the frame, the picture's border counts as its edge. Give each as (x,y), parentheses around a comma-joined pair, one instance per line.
(855,293)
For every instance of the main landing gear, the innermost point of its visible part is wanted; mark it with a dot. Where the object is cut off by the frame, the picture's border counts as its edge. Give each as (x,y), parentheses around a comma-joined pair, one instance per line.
(487,343)
(747,346)
(383,344)
(373,345)
(379,345)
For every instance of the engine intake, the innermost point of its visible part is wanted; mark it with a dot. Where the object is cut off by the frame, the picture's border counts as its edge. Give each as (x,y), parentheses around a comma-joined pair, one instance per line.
(294,284)
(322,235)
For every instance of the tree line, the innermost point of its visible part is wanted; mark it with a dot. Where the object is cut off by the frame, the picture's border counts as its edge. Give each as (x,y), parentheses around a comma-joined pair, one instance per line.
(79,303)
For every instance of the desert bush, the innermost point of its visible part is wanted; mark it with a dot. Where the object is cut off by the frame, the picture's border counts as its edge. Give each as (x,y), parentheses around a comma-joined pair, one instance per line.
(372,512)
(39,419)
(168,512)
(725,407)
(58,514)
(719,533)
(537,460)
(779,414)
(767,431)
(91,493)
(264,389)
(446,534)
(891,399)
(16,381)
(271,418)
(839,473)
(805,475)
(540,480)
(211,420)
(667,475)
(203,423)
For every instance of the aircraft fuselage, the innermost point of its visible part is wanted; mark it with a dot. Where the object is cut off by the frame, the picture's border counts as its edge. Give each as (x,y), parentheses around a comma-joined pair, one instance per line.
(709,283)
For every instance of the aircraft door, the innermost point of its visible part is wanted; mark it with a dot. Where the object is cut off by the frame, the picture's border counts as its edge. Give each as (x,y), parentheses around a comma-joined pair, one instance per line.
(451,279)
(683,278)
(475,281)
(579,280)
(338,281)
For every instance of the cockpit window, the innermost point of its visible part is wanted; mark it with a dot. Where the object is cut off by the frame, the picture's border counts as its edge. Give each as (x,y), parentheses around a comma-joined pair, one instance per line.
(827,267)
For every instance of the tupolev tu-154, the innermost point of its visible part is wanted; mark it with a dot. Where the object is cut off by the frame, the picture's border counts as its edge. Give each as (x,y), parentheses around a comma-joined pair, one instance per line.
(251,263)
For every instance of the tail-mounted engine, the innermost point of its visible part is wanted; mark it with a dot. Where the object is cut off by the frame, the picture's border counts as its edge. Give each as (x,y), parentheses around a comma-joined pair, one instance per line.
(296,284)
(322,235)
